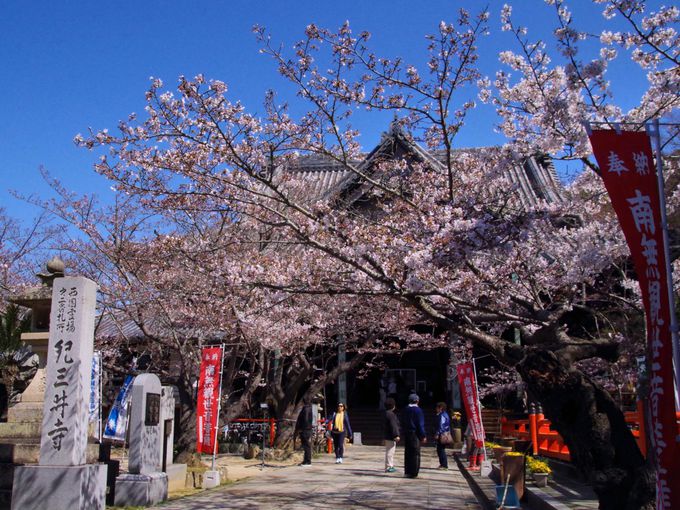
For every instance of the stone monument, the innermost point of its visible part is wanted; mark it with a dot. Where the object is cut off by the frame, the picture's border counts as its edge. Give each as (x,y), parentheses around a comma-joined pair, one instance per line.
(145,484)
(63,479)
(177,473)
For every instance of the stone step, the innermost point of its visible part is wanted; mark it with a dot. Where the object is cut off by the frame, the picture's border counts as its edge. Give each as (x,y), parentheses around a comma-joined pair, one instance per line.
(31,412)
(19,430)
(27,451)
(19,451)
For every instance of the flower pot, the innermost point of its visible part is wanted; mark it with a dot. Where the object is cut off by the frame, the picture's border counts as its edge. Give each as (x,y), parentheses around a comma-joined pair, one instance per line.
(513,466)
(541,479)
(521,445)
(457,436)
(499,451)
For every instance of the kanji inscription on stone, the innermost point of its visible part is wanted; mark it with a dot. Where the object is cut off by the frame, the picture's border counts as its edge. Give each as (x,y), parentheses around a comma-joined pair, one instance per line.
(69,362)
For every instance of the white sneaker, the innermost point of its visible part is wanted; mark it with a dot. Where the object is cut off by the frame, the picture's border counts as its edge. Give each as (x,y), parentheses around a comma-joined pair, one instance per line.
(338,460)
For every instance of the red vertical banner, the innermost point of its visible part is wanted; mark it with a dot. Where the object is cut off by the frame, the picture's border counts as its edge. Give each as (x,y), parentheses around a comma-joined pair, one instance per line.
(207,408)
(468,391)
(627,169)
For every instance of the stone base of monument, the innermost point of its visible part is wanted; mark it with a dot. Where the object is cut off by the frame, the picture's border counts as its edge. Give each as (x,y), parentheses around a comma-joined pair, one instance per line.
(177,477)
(211,479)
(52,487)
(141,490)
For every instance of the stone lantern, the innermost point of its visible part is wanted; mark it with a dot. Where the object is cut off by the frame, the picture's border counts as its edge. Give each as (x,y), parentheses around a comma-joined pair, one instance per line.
(38,299)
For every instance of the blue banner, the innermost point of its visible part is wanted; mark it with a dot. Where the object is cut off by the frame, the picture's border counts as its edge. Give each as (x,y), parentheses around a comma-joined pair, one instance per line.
(116,425)
(96,395)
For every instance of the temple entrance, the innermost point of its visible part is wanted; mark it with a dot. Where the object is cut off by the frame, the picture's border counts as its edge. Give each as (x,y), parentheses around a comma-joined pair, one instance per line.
(426,372)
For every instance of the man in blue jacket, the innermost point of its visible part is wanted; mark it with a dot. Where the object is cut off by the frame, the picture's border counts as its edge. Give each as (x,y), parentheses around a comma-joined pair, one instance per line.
(413,427)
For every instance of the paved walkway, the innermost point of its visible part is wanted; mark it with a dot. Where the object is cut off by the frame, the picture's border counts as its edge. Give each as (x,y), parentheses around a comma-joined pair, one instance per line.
(359,482)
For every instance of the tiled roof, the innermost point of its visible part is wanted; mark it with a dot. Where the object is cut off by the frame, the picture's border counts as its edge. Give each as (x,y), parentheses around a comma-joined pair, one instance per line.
(318,177)
(116,325)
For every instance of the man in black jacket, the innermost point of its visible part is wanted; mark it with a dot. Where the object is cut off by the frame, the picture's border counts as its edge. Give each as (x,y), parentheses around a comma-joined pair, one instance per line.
(391,435)
(304,426)
(413,422)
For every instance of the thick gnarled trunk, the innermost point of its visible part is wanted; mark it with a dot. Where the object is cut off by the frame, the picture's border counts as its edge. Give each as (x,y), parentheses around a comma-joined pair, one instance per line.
(594,429)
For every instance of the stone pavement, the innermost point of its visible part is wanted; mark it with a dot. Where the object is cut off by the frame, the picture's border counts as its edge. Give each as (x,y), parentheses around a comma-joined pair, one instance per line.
(360,482)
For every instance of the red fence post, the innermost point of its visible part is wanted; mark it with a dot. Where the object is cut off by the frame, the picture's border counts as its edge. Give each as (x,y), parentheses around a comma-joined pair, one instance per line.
(533,429)
(642,429)
(329,441)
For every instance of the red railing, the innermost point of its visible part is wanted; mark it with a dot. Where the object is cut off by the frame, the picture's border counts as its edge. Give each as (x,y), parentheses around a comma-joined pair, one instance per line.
(548,443)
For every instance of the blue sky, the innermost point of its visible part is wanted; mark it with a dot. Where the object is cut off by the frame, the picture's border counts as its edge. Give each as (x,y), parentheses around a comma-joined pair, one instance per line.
(70,65)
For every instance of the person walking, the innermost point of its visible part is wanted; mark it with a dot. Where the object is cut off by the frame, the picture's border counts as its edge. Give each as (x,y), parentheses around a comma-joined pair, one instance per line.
(340,429)
(414,435)
(391,435)
(304,426)
(442,434)
(473,449)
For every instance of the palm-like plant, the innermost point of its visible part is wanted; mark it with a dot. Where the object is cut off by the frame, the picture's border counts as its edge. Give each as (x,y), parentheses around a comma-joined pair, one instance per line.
(12,323)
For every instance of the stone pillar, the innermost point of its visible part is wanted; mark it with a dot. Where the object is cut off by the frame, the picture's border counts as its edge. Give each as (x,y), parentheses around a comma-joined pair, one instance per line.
(342,378)
(68,373)
(145,425)
(63,479)
(146,484)
(168,423)
(177,473)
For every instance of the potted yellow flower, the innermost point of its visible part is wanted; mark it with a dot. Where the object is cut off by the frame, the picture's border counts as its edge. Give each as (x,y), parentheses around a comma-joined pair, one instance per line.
(540,470)
(498,450)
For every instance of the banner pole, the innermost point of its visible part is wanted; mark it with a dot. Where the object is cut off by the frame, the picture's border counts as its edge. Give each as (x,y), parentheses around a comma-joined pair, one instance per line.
(219,407)
(99,408)
(479,406)
(656,135)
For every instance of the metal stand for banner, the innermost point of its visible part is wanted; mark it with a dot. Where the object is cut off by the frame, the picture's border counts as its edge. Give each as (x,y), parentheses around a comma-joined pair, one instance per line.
(100,422)
(212,478)
(485,466)
(654,133)
(219,408)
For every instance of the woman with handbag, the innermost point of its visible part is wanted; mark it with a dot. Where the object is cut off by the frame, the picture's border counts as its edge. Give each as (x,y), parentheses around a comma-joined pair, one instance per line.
(443,435)
(340,429)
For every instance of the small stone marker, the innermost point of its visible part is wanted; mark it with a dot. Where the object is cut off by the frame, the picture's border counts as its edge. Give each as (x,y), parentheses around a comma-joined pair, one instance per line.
(145,484)
(146,444)
(168,423)
(177,473)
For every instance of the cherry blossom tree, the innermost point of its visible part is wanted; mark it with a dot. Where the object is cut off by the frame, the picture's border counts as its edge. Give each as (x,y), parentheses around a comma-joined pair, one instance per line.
(163,296)
(448,241)
(20,249)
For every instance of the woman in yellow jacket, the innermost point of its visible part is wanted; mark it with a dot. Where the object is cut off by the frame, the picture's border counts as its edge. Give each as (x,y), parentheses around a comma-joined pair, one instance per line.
(340,429)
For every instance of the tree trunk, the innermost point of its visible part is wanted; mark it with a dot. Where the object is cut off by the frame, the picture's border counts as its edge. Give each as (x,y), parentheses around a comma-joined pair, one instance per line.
(594,429)
(286,428)
(186,440)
